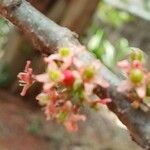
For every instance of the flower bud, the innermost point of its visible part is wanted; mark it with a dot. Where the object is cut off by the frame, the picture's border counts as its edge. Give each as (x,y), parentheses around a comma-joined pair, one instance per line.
(136,76)
(54,75)
(136,55)
(68,78)
(89,72)
(78,85)
(64,52)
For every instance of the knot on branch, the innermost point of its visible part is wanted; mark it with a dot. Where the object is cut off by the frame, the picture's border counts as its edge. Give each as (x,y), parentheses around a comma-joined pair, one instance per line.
(10,4)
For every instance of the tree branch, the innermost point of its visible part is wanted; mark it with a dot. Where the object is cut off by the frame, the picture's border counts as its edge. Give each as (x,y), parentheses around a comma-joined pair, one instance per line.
(48,37)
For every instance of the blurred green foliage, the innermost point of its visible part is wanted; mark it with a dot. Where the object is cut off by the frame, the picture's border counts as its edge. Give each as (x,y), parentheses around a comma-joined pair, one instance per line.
(147,4)
(5,75)
(3,27)
(112,16)
(109,54)
(35,126)
(98,42)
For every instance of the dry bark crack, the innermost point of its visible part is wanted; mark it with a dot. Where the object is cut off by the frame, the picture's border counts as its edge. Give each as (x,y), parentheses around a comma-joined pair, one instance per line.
(48,37)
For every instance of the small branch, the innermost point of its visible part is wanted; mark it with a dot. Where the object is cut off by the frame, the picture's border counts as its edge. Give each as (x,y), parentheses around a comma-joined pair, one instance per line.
(48,37)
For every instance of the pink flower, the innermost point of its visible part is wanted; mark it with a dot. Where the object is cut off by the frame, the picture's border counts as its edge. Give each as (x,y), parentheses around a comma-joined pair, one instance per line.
(96,100)
(65,56)
(92,70)
(136,77)
(51,111)
(104,101)
(67,84)
(126,66)
(71,124)
(26,78)
(90,76)
(52,76)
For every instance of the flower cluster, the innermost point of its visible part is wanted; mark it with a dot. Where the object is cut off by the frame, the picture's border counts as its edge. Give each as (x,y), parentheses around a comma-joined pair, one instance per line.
(137,82)
(68,85)
(26,78)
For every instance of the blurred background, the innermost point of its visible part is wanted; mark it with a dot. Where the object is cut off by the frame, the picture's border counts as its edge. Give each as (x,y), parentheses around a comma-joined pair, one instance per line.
(108,28)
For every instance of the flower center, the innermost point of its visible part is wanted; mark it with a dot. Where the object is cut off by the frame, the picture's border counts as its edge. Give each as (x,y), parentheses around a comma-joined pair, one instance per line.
(136,76)
(136,55)
(64,52)
(89,72)
(54,75)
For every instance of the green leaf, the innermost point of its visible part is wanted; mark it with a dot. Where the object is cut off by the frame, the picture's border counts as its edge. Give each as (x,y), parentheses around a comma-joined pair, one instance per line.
(122,49)
(108,57)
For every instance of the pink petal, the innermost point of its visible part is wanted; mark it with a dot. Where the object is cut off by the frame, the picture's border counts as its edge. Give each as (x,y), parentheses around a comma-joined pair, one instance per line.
(50,111)
(27,66)
(77,117)
(67,106)
(22,76)
(100,81)
(47,87)
(137,64)
(71,124)
(67,63)
(77,49)
(26,78)
(124,86)
(96,64)
(77,63)
(141,91)
(52,66)
(105,101)
(24,90)
(42,78)
(51,58)
(124,65)
(89,88)
(76,74)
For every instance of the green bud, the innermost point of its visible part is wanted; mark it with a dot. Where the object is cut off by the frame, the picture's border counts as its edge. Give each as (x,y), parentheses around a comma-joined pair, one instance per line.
(64,52)
(77,85)
(54,75)
(136,76)
(136,55)
(89,72)
(78,91)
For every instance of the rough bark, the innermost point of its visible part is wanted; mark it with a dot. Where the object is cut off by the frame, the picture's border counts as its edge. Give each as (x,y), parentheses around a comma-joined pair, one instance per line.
(48,37)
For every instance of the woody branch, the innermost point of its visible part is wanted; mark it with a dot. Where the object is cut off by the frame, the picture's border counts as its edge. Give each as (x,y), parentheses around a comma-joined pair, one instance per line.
(47,36)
